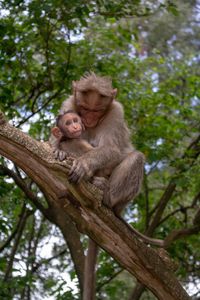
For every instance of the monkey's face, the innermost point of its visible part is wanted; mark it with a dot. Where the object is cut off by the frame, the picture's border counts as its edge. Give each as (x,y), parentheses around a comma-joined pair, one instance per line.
(71,125)
(92,106)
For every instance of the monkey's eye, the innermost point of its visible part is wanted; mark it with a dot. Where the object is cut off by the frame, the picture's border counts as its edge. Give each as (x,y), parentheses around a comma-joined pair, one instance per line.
(68,122)
(75,120)
(104,96)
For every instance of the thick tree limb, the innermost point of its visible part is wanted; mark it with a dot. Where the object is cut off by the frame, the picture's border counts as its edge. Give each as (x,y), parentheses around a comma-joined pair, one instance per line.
(83,204)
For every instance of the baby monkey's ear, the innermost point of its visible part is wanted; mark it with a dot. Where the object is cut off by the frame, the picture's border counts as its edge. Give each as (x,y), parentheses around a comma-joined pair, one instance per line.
(56,132)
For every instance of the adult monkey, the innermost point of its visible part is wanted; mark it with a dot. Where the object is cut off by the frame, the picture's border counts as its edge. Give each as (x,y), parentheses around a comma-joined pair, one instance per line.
(105,128)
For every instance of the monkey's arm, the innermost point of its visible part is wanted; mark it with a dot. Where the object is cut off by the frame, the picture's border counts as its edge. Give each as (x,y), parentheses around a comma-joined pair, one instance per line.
(56,148)
(55,145)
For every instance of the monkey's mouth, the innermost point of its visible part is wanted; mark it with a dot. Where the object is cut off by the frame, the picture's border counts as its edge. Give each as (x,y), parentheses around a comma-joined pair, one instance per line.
(77,133)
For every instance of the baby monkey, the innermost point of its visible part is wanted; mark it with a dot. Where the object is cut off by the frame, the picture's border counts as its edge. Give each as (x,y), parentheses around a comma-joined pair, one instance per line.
(68,132)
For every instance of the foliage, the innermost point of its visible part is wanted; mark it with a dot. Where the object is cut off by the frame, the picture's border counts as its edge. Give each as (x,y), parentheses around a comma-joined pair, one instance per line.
(150,49)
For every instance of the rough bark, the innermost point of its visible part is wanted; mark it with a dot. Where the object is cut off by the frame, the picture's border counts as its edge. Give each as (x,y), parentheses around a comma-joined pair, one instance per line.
(83,205)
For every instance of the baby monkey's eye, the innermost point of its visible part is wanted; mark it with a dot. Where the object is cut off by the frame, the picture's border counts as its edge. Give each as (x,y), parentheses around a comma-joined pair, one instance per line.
(68,122)
(75,120)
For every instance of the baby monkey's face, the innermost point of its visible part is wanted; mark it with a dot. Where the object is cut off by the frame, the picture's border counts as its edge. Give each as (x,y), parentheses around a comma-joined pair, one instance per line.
(71,125)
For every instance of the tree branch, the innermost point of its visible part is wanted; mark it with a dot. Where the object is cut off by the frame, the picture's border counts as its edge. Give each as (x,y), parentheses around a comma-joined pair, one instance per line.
(180,233)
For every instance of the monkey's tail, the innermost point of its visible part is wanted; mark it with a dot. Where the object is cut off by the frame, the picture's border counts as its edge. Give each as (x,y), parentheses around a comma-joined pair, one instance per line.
(89,285)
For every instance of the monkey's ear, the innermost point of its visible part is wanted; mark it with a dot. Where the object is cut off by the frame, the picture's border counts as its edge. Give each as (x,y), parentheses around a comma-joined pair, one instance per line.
(56,132)
(114,93)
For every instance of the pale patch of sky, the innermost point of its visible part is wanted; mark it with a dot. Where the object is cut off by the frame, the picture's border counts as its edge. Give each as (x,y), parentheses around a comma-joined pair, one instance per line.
(159,142)
(4,12)
(195,101)
(155,82)
(193,288)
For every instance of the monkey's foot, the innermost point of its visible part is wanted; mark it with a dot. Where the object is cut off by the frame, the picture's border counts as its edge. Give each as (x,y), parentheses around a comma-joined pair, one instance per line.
(100,182)
(103,184)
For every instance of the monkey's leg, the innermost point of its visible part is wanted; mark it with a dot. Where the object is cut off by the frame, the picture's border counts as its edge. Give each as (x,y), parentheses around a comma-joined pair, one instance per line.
(89,285)
(125,180)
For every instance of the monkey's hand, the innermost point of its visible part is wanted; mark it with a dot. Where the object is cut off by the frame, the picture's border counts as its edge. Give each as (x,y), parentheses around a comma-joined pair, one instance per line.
(79,170)
(59,154)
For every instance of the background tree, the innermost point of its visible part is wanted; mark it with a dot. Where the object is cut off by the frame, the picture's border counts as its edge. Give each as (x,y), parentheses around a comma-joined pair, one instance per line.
(151,50)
